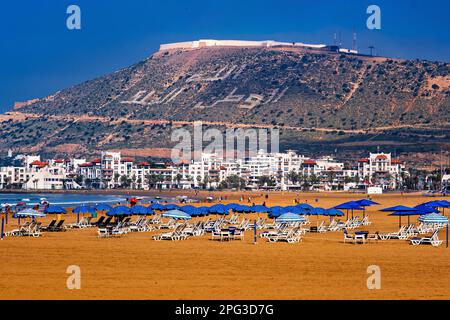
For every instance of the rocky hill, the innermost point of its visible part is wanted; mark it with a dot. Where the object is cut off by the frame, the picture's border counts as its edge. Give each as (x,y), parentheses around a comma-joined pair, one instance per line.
(320,100)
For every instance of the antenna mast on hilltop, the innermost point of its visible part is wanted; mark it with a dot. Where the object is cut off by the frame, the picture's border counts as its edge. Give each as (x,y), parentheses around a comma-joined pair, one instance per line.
(355,47)
(371,50)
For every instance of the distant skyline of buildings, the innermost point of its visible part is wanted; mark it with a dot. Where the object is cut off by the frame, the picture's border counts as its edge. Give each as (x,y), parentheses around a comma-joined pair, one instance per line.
(281,171)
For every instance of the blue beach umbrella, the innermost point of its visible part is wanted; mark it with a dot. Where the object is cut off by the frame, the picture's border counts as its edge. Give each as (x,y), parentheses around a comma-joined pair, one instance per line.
(82,210)
(55,210)
(333,212)
(290,217)
(176,214)
(434,218)
(232,206)
(439,204)
(259,209)
(398,210)
(187,208)
(218,209)
(350,205)
(318,212)
(158,206)
(295,209)
(401,214)
(102,207)
(171,206)
(276,212)
(425,209)
(203,211)
(243,209)
(141,210)
(195,212)
(305,206)
(366,202)
(119,211)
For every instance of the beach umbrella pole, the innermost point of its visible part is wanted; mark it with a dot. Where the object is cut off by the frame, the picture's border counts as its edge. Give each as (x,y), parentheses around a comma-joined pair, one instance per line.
(446,236)
(3,228)
(255,238)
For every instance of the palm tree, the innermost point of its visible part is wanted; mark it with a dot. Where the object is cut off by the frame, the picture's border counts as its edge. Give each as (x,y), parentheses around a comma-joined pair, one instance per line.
(116,178)
(314,179)
(206,181)
(178,179)
(125,182)
(266,181)
(7,184)
(153,179)
(233,182)
(293,177)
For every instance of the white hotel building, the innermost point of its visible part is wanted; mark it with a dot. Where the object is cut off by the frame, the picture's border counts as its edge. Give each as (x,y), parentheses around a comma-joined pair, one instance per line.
(109,170)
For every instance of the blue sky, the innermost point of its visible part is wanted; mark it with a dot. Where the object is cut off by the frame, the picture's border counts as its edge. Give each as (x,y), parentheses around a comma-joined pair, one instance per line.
(39,55)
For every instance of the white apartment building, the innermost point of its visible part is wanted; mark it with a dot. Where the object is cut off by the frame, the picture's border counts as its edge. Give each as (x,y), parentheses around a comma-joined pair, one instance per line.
(46,178)
(380,169)
(160,177)
(10,176)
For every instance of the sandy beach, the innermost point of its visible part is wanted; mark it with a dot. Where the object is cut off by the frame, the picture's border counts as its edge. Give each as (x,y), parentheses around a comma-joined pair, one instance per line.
(135,267)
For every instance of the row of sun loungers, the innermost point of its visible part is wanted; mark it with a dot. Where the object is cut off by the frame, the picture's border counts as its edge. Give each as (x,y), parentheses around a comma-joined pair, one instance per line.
(404,233)
(35,229)
(232,229)
(287,235)
(181,232)
(29,229)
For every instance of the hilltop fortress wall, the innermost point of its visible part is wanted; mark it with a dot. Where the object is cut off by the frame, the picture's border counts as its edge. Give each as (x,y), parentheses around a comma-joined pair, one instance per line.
(235,43)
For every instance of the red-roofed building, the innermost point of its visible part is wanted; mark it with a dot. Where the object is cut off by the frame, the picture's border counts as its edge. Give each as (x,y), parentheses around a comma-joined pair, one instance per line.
(86,165)
(381,170)
(309,162)
(309,167)
(37,165)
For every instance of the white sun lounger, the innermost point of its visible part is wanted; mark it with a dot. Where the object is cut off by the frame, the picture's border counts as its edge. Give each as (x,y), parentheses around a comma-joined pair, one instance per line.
(433,240)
